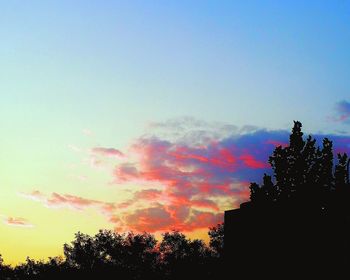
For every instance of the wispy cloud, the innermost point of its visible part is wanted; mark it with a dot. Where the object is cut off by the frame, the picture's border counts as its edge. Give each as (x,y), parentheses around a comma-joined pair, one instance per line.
(17,222)
(110,152)
(56,200)
(342,112)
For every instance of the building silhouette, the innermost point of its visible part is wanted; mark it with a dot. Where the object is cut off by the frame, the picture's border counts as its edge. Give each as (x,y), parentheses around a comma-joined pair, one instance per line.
(292,238)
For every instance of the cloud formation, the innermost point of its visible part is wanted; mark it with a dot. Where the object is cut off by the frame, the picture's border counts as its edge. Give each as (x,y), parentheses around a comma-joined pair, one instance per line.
(184,176)
(198,175)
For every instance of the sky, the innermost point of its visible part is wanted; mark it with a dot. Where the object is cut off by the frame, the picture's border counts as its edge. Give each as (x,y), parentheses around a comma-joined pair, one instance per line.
(155,115)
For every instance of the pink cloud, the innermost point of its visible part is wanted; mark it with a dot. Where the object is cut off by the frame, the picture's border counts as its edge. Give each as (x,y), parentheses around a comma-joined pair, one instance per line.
(110,152)
(66,200)
(56,200)
(18,222)
(148,194)
(126,172)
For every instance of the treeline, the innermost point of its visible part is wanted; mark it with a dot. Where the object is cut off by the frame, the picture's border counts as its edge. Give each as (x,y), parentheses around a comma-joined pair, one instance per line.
(127,256)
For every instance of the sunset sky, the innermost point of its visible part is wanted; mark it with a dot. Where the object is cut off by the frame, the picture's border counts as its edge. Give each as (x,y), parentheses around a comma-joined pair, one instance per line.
(155,115)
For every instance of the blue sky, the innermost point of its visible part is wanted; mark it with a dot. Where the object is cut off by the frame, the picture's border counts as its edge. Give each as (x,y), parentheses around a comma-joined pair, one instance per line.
(231,61)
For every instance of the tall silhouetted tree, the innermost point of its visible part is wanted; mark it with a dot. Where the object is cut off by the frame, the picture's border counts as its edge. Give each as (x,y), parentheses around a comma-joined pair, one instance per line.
(340,173)
(302,171)
(296,161)
(326,166)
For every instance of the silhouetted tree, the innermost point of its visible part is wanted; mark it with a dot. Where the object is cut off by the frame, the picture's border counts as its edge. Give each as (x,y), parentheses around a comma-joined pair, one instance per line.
(182,257)
(302,171)
(141,255)
(216,239)
(296,161)
(83,253)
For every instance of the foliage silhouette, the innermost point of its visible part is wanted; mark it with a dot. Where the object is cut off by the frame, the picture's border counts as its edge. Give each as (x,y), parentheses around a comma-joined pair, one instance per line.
(126,256)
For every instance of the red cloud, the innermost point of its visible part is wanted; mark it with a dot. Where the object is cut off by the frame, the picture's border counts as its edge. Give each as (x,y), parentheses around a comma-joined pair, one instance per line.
(17,222)
(149,219)
(194,181)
